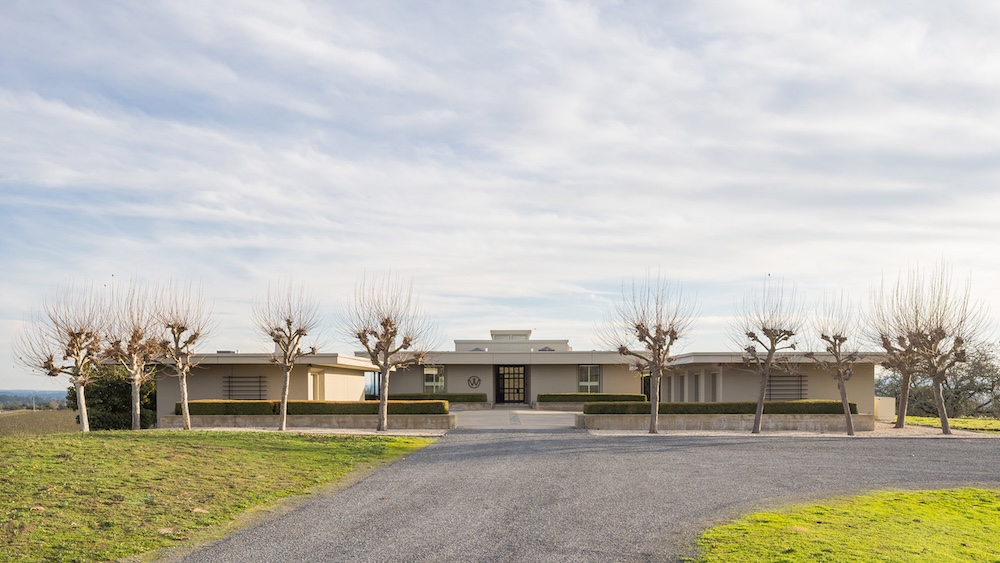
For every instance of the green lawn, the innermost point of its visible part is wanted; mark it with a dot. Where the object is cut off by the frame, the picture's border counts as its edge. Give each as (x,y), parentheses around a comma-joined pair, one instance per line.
(955,525)
(107,495)
(977,424)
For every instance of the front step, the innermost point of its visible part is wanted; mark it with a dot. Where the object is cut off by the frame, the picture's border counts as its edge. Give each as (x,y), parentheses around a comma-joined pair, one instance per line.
(511,406)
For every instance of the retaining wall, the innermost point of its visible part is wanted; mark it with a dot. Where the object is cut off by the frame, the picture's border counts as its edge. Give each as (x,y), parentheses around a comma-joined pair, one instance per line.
(363,421)
(735,422)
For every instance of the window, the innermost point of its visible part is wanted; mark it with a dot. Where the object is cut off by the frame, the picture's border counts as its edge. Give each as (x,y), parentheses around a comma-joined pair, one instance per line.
(372,383)
(433,379)
(244,387)
(590,379)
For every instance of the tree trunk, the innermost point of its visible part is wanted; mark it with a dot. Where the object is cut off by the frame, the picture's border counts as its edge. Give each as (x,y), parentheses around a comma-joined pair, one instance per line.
(654,398)
(842,385)
(136,407)
(942,410)
(81,403)
(760,403)
(904,398)
(185,411)
(383,401)
(283,413)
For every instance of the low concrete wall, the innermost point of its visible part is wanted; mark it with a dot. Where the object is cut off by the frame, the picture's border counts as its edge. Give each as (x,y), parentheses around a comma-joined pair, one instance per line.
(566,407)
(737,422)
(363,421)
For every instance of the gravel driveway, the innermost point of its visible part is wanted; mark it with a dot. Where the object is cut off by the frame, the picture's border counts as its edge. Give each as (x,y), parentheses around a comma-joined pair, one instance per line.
(530,494)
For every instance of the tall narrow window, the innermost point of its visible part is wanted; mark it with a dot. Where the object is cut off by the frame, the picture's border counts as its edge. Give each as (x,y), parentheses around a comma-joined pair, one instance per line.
(590,379)
(433,379)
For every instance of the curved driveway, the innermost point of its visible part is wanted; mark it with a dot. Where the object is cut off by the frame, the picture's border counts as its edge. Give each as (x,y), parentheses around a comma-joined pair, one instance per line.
(550,494)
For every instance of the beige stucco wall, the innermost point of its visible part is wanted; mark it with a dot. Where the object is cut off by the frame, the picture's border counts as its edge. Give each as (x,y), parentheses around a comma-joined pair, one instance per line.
(205,382)
(409,380)
(617,378)
(552,379)
(744,385)
(860,388)
(342,385)
(690,382)
(456,379)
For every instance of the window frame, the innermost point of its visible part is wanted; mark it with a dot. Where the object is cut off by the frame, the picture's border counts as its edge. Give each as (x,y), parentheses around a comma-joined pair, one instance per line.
(592,383)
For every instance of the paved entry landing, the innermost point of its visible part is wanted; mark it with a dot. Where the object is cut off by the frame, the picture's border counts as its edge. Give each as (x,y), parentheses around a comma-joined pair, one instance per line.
(515,418)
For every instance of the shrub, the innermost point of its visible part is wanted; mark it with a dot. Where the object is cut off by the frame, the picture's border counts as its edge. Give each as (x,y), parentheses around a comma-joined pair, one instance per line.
(589,397)
(107,420)
(741,407)
(450,397)
(214,407)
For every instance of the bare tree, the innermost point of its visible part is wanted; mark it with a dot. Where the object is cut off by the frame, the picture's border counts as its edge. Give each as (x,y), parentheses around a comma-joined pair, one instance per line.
(182,313)
(286,315)
(834,323)
(386,319)
(764,328)
(67,340)
(650,317)
(133,338)
(925,324)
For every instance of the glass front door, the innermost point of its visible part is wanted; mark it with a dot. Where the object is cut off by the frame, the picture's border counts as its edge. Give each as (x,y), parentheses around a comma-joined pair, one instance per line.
(510,384)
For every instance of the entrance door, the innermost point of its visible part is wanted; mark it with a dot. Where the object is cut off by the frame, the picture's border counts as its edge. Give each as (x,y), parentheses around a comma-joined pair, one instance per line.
(510,384)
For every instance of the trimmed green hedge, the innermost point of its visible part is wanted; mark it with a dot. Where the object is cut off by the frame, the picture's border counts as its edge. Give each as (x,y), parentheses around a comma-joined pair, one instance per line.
(214,407)
(741,407)
(589,397)
(450,397)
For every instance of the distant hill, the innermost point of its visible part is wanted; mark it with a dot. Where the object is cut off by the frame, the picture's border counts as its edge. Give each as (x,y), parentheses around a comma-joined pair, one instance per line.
(21,398)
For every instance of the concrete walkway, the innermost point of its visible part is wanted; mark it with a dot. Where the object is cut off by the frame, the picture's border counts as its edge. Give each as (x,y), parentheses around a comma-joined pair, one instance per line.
(522,418)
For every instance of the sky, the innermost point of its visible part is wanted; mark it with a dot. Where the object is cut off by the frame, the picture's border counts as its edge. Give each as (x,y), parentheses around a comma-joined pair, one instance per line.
(519,161)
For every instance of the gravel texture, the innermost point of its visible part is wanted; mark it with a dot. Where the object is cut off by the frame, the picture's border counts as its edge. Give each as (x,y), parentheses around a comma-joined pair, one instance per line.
(552,494)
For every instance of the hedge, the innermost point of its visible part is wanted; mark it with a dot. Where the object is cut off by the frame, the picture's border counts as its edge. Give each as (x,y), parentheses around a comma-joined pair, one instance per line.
(450,397)
(589,397)
(105,420)
(214,407)
(741,407)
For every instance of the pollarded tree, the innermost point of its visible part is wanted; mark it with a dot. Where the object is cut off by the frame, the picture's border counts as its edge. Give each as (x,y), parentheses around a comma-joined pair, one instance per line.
(133,338)
(925,325)
(67,340)
(286,315)
(181,312)
(835,323)
(765,328)
(386,319)
(650,317)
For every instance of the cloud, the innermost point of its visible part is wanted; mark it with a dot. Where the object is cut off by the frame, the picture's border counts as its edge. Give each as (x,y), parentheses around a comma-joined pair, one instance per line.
(518,159)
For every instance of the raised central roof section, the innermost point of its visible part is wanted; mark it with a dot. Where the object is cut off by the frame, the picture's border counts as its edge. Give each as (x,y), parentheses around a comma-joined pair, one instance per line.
(512,341)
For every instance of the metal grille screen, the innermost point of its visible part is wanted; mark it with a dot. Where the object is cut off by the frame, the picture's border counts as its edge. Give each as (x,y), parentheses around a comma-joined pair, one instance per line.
(786,387)
(244,387)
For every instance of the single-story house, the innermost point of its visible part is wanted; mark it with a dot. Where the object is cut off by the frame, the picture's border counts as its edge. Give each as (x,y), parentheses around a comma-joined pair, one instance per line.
(511,368)
(230,375)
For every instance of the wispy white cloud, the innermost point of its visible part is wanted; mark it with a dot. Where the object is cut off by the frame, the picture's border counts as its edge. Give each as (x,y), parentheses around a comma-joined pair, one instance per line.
(518,159)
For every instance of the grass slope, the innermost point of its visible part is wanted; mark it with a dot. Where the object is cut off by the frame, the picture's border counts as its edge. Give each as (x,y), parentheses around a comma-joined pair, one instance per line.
(107,495)
(953,525)
(977,424)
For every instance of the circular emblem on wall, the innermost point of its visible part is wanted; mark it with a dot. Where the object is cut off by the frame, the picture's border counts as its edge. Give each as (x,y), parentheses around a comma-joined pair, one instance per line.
(474,382)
